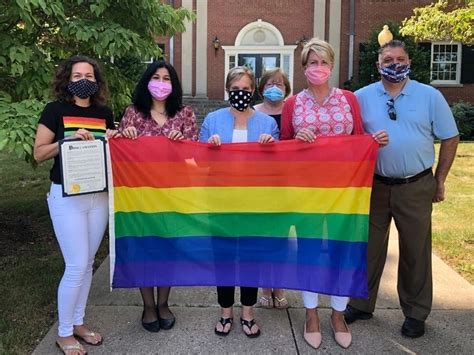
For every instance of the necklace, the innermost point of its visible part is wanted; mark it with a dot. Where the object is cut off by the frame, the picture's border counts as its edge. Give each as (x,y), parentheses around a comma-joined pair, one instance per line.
(163,113)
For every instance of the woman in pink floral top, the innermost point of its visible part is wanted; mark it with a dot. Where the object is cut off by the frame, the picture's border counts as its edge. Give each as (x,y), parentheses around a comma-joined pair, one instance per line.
(157,107)
(321,110)
(157,110)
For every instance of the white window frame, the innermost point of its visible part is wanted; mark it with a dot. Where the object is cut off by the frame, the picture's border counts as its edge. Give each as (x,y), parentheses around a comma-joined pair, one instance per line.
(458,63)
(280,48)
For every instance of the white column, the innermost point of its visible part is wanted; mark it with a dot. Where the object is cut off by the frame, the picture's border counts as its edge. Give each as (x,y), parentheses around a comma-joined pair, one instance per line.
(201,48)
(187,52)
(335,38)
(319,16)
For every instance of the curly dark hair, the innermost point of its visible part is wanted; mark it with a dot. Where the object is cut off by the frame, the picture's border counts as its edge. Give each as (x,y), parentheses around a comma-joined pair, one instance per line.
(62,78)
(142,99)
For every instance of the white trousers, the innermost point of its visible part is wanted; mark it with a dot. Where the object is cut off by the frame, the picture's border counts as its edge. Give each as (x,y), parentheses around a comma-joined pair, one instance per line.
(79,224)
(310,300)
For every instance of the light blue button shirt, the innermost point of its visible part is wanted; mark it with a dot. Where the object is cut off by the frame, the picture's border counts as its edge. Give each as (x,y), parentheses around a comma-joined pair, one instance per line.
(221,122)
(422,115)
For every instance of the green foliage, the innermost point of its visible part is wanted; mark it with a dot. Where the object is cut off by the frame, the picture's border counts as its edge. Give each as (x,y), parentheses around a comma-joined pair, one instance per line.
(17,126)
(36,35)
(436,23)
(463,113)
(368,73)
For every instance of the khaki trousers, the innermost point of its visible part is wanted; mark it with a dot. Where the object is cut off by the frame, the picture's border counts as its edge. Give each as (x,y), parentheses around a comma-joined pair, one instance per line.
(410,206)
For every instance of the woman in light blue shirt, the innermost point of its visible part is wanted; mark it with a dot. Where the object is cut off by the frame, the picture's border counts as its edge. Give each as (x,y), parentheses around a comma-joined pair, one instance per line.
(236,124)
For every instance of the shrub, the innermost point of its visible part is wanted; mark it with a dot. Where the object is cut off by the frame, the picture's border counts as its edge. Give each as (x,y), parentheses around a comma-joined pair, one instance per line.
(463,113)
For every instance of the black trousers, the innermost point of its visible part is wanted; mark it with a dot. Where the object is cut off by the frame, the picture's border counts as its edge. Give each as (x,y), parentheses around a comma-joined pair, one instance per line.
(225,296)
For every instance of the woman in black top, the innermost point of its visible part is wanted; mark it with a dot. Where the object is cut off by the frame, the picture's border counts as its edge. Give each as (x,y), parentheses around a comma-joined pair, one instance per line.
(274,88)
(79,222)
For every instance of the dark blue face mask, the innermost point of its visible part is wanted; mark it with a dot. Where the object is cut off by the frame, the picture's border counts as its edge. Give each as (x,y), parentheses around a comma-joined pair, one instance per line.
(395,72)
(83,88)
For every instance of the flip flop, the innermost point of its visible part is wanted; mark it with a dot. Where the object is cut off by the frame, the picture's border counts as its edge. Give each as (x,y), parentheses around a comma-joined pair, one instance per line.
(82,337)
(266,301)
(249,324)
(224,322)
(280,303)
(71,347)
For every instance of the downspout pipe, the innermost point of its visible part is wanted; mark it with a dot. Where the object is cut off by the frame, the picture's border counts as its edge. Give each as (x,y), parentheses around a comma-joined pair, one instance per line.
(350,69)
(172,41)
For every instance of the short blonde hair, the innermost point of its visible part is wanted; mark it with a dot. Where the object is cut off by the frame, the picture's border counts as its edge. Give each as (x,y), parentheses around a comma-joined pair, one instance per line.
(236,73)
(320,47)
(268,74)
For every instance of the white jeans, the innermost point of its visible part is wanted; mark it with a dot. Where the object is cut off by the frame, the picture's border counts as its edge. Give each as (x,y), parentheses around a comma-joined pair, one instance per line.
(79,224)
(310,300)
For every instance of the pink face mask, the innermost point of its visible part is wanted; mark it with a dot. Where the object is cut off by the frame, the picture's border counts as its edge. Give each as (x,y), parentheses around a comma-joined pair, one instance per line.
(317,74)
(159,90)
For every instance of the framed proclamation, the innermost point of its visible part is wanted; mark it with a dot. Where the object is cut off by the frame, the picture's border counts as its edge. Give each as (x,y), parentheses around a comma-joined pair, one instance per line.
(83,166)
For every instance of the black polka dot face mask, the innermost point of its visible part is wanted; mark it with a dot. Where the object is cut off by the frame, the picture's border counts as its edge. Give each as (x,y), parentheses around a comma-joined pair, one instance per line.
(240,99)
(83,88)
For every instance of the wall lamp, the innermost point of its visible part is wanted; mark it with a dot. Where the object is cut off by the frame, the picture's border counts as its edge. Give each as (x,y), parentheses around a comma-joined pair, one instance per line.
(216,44)
(302,41)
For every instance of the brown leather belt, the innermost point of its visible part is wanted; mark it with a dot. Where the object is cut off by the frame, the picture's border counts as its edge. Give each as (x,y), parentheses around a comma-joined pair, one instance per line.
(399,181)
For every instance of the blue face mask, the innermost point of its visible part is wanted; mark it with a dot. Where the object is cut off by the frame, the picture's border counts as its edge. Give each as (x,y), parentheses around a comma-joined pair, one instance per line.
(274,94)
(395,72)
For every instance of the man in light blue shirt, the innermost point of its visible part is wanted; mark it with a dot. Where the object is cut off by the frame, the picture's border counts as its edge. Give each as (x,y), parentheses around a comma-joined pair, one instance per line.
(404,187)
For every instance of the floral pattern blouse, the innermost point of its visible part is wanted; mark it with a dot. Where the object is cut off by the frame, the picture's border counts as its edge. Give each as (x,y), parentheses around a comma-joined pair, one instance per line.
(332,118)
(184,121)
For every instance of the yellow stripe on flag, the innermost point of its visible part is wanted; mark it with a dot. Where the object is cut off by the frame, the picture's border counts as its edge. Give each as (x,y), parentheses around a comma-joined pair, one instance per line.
(352,200)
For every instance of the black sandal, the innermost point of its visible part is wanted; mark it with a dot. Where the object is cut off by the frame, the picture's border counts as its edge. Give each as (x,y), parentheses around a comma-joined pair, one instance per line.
(249,324)
(224,322)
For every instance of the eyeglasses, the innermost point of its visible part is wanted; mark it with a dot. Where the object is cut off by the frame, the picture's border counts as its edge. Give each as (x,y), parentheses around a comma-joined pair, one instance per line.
(277,84)
(392,113)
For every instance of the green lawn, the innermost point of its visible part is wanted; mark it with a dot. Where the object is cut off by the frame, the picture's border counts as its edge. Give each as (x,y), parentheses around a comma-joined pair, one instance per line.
(32,265)
(453,219)
(30,262)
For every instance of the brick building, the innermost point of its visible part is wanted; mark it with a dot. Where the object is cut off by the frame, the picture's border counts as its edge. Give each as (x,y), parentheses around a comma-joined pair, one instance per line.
(268,33)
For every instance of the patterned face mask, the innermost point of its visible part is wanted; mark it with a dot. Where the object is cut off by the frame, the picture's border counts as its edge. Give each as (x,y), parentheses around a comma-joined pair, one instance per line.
(83,88)
(395,72)
(240,99)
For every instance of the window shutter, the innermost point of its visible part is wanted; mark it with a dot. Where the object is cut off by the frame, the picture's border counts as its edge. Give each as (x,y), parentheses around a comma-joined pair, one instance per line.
(426,46)
(467,64)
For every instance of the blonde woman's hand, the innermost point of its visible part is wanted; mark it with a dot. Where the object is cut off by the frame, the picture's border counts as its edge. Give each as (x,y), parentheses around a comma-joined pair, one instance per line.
(265,138)
(214,139)
(130,132)
(381,137)
(305,135)
(175,135)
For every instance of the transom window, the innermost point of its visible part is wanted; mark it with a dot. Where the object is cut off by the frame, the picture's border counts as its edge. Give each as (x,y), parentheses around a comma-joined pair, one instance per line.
(445,63)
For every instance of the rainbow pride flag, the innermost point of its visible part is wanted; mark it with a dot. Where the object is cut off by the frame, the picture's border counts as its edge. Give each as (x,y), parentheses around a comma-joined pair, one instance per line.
(288,215)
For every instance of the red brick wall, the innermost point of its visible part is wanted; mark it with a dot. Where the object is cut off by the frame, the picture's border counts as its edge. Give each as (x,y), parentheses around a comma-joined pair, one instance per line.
(466,93)
(294,18)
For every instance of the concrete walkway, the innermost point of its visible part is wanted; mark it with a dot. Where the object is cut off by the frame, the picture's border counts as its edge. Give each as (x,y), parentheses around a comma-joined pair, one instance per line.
(449,329)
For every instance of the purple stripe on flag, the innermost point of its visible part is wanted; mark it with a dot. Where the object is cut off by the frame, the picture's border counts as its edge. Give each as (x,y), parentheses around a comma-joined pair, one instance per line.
(331,281)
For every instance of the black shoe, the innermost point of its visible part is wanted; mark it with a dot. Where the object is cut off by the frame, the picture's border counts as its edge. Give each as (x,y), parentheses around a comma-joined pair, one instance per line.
(352,314)
(153,327)
(166,323)
(413,328)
